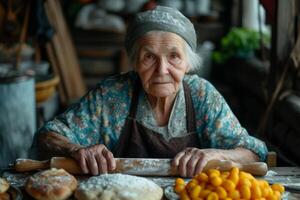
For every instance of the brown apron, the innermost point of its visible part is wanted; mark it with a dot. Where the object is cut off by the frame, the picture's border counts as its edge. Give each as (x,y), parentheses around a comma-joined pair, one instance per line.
(137,141)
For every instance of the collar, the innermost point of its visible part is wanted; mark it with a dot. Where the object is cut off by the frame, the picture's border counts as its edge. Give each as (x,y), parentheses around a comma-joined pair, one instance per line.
(177,122)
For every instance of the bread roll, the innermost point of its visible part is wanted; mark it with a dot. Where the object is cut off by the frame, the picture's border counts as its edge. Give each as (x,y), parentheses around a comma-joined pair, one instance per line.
(52,184)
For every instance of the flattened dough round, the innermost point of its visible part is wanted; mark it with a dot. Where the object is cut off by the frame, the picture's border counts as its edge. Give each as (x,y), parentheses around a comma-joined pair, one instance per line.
(52,184)
(118,187)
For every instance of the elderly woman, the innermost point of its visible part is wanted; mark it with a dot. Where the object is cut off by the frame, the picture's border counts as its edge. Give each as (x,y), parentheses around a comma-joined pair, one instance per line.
(155,111)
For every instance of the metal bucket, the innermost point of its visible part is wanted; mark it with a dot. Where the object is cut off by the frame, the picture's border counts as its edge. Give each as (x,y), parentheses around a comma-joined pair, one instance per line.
(17,116)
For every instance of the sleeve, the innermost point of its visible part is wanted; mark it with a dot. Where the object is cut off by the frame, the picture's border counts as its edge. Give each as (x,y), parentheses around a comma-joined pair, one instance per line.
(223,130)
(81,123)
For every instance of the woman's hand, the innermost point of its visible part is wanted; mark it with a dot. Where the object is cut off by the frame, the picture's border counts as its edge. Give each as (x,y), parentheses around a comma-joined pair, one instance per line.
(94,160)
(191,161)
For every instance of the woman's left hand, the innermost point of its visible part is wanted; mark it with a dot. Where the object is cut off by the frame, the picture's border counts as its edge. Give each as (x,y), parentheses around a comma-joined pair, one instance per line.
(191,161)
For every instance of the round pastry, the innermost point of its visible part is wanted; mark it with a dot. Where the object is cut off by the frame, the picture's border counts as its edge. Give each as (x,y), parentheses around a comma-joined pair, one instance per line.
(54,184)
(118,186)
(4,185)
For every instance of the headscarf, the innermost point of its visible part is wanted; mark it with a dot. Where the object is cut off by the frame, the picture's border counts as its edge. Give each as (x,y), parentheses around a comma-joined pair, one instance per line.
(161,19)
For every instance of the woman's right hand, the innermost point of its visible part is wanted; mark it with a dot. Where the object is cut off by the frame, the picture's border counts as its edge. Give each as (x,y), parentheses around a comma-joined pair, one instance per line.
(95,159)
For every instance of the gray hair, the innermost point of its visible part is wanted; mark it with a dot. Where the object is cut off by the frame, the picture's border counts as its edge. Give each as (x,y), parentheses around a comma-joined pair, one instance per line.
(193,59)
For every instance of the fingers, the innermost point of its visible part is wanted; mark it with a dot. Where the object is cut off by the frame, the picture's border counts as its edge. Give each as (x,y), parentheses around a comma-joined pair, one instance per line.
(95,160)
(93,165)
(183,164)
(191,165)
(200,166)
(111,162)
(102,164)
(190,162)
(177,158)
(83,165)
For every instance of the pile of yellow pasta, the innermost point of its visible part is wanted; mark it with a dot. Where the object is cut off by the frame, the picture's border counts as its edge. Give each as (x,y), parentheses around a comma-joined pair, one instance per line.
(227,185)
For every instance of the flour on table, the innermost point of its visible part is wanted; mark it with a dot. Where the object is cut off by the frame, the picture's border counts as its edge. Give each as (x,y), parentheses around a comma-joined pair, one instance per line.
(118,187)
(145,167)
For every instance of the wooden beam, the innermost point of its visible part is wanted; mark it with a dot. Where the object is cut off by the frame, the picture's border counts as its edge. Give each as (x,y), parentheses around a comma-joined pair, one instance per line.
(63,51)
(283,38)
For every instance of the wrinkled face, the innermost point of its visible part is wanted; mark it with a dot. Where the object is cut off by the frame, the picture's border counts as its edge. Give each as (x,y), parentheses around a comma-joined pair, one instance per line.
(161,63)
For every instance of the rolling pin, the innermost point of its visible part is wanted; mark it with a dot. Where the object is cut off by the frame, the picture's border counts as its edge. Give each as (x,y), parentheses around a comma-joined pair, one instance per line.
(137,166)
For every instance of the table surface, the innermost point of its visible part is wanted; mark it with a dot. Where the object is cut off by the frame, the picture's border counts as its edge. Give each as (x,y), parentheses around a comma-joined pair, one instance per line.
(288,176)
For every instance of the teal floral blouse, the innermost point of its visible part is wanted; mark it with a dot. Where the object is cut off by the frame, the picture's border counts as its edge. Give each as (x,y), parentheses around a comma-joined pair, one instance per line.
(99,116)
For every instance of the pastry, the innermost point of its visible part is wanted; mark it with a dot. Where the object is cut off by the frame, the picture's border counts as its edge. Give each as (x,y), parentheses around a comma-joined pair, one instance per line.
(54,184)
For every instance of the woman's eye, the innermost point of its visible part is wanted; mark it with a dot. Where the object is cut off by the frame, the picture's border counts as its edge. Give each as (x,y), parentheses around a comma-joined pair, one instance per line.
(148,59)
(149,56)
(174,57)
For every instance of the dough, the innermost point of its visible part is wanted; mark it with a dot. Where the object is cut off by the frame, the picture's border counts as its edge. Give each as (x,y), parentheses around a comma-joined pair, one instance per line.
(4,185)
(54,184)
(118,187)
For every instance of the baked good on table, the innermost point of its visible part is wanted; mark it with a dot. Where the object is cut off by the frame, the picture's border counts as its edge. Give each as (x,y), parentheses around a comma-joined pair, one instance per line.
(232,184)
(118,187)
(52,184)
(4,185)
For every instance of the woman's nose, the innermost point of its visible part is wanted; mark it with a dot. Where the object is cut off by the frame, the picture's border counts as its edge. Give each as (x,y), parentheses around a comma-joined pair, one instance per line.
(162,67)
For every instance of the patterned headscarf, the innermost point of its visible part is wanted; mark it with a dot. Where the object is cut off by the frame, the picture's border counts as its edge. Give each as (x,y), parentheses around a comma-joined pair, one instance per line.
(161,19)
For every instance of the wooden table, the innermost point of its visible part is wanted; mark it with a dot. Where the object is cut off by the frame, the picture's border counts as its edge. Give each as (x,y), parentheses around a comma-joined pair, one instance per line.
(288,176)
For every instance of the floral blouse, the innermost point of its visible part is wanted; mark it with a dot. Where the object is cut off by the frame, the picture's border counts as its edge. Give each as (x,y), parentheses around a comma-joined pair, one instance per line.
(99,117)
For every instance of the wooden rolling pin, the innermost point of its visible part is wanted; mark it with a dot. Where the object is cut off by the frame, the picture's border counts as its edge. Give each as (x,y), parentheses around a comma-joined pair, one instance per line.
(137,166)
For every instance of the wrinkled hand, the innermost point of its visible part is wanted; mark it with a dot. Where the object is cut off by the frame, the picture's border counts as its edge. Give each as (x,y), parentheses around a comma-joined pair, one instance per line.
(191,161)
(94,160)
